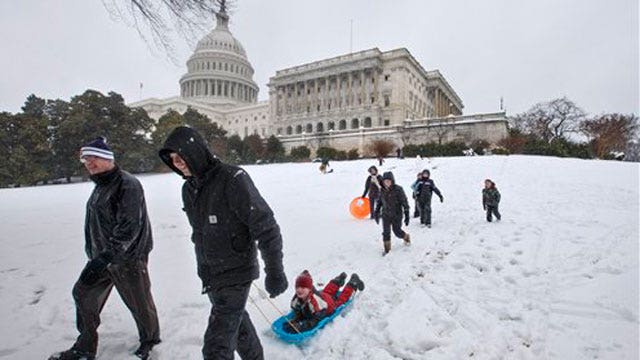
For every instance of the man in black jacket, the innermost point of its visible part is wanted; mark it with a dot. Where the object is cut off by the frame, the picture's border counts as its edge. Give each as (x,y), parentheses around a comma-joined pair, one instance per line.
(117,241)
(393,204)
(372,186)
(228,216)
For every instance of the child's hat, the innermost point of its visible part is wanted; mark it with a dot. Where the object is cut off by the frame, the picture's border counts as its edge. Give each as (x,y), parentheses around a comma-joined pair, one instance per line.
(304,280)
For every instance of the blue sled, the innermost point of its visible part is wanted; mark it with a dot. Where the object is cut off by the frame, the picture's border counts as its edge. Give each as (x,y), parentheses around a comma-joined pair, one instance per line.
(298,338)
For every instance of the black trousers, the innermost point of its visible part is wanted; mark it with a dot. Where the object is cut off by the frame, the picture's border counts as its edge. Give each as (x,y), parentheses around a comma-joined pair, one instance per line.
(131,280)
(388,224)
(230,327)
(425,212)
(372,204)
(492,210)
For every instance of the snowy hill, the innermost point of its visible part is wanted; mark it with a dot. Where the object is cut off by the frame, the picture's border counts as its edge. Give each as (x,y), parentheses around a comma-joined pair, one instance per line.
(556,279)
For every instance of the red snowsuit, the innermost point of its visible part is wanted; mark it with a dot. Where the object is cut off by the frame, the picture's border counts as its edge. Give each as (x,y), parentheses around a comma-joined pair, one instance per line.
(318,305)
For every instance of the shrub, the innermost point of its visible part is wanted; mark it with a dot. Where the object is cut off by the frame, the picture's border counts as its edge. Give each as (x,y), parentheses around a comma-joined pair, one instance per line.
(381,148)
(300,153)
(479,146)
(341,155)
(326,152)
(353,154)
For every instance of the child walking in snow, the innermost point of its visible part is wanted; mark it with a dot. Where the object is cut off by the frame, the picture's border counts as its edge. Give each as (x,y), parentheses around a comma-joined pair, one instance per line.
(393,204)
(310,305)
(372,187)
(490,200)
(425,189)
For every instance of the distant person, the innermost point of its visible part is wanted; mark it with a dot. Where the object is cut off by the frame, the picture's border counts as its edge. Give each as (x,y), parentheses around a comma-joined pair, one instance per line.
(491,200)
(380,160)
(399,153)
(117,241)
(309,305)
(425,189)
(228,216)
(372,187)
(324,166)
(393,204)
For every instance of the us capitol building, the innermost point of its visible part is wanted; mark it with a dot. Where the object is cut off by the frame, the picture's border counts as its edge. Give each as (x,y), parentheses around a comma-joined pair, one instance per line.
(344,102)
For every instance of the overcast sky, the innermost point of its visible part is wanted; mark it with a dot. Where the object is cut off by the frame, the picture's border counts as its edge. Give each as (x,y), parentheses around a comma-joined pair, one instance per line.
(525,51)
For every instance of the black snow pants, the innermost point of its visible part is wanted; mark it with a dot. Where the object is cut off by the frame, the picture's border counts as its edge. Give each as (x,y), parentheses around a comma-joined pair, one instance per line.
(425,211)
(230,327)
(392,223)
(492,210)
(131,280)
(416,209)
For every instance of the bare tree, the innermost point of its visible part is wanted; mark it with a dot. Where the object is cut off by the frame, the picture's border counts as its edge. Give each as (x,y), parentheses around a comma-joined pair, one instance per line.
(381,148)
(441,129)
(611,132)
(550,120)
(158,22)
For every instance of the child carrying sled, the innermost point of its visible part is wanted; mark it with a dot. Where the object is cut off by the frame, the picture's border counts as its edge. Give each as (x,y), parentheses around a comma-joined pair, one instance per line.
(310,305)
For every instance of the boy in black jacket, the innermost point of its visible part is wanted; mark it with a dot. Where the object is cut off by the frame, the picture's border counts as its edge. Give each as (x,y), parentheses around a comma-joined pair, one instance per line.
(372,186)
(425,189)
(393,204)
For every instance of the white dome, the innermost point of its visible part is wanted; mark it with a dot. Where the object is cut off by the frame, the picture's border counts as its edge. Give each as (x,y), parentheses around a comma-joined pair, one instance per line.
(219,72)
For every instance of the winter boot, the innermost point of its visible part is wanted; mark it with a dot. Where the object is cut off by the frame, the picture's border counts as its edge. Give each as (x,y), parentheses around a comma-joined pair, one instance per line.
(144,350)
(407,238)
(340,279)
(72,354)
(355,282)
(387,247)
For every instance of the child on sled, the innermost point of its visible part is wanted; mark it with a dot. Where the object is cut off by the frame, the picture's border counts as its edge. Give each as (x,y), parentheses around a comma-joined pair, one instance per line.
(310,305)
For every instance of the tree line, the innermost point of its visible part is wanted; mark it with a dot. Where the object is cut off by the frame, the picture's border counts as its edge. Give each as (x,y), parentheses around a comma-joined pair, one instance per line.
(41,143)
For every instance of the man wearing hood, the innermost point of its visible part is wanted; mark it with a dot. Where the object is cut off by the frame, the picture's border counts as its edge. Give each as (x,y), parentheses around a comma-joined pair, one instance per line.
(117,241)
(392,205)
(228,217)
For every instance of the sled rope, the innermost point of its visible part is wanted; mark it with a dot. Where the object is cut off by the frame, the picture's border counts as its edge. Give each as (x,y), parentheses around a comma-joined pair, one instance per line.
(260,310)
(275,307)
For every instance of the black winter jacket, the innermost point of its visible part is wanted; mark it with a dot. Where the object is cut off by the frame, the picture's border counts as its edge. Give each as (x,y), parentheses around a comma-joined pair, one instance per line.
(116,220)
(393,201)
(227,214)
(425,190)
(371,187)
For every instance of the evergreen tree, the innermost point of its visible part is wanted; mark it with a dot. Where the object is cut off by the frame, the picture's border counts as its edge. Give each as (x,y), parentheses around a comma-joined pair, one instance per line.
(274,151)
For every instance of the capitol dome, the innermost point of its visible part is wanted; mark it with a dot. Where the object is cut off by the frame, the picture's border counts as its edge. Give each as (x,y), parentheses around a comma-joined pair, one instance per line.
(218,72)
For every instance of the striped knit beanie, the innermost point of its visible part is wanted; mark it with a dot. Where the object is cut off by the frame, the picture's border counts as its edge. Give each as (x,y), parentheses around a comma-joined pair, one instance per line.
(97,148)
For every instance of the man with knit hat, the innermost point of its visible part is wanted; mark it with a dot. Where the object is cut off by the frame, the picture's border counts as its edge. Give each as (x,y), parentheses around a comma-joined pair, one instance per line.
(231,221)
(117,242)
(310,305)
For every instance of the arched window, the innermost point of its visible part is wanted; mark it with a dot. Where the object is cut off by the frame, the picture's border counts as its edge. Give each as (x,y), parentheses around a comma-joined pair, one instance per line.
(331,125)
(342,125)
(320,127)
(309,128)
(299,129)
(355,123)
(289,130)
(367,122)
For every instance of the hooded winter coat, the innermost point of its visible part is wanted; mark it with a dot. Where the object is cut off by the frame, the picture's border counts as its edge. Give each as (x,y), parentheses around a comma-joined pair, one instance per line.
(227,214)
(116,221)
(393,201)
(372,185)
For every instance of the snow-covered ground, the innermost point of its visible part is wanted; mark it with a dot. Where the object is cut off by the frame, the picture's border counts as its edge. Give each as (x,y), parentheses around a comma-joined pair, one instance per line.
(556,279)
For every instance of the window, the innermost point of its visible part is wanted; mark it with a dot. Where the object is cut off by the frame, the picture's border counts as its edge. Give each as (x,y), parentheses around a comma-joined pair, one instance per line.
(299,129)
(342,125)
(386,77)
(355,123)
(331,125)
(386,122)
(309,128)
(367,122)
(320,127)
(386,101)
(373,99)
(289,130)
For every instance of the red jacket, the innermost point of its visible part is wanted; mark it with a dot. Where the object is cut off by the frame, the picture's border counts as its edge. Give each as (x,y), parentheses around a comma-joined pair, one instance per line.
(317,305)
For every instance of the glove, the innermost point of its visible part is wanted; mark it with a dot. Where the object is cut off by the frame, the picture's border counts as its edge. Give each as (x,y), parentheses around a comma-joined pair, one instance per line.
(91,272)
(441,198)
(275,284)
(406,219)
